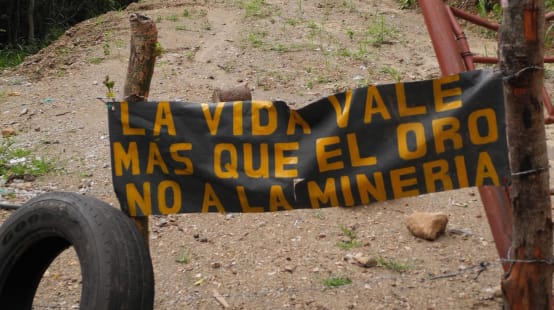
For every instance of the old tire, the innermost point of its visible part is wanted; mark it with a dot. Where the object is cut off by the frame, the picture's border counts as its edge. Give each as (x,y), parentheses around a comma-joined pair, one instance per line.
(116,269)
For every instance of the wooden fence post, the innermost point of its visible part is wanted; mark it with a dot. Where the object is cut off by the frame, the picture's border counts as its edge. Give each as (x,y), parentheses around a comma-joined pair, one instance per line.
(527,284)
(144,37)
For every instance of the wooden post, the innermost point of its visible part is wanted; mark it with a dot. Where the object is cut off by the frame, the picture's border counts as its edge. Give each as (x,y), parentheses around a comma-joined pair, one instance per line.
(527,284)
(144,37)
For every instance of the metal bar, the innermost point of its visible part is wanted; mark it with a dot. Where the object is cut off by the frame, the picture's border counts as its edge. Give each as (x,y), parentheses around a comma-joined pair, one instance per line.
(475,19)
(444,43)
(463,45)
(495,199)
(494,60)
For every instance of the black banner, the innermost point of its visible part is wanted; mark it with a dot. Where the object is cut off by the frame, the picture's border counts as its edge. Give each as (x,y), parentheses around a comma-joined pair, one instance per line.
(353,148)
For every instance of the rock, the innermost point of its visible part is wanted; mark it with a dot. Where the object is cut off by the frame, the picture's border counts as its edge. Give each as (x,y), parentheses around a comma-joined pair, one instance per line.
(241,92)
(361,260)
(365,261)
(8,132)
(163,222)
(426,225)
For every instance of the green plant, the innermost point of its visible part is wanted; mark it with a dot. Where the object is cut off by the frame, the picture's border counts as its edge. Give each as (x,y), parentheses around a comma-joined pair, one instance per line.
(350,33)
(255,8)
(549,5)
(160,50)
(351,235)
(292,22)
(549,36)
(106,48)
(11,57)
(393,73)
(96,60)
(488,8)
(320,215)
(186,13)
(348,232)
(181,28)
(379,33)
(184,257)
(336,281)
(314,28)
(18,162)
(392,264)
(172,18)
(10,195)
(256,38)
(109,86)
(406,4)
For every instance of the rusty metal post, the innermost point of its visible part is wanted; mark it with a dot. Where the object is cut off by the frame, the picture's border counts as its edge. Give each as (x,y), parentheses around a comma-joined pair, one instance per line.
(444,43)
(495,199)
(464,50)
(144,37)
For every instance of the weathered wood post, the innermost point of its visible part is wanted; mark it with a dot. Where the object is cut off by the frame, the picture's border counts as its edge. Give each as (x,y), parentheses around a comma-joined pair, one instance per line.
(144,37)
(527,284)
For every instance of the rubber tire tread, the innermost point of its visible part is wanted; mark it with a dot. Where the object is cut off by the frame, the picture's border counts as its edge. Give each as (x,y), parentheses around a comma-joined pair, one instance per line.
(116,268)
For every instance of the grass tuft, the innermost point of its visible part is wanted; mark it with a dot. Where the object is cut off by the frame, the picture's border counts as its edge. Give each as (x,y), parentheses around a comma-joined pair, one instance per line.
(16,163)
(336,281)
(392,264)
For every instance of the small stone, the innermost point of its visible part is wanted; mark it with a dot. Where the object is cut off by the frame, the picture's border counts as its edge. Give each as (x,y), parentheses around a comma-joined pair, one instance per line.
(427,225)
(203,240)
(8,132)
(290,269)
(163,222)
(29,177)
(216,265)
(365,261)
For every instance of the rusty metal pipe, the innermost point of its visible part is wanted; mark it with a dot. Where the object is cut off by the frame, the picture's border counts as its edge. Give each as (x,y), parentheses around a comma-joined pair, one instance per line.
(463,45)
(496,200)
(494,60)
(444,43)
(477,20)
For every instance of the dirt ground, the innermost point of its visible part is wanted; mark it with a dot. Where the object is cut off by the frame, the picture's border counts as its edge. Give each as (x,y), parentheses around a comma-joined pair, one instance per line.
(297,51)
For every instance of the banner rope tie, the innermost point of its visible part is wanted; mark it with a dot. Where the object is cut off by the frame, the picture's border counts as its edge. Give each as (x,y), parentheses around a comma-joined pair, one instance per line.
(528,172)
(107,102)
(520,72)
(524,261)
